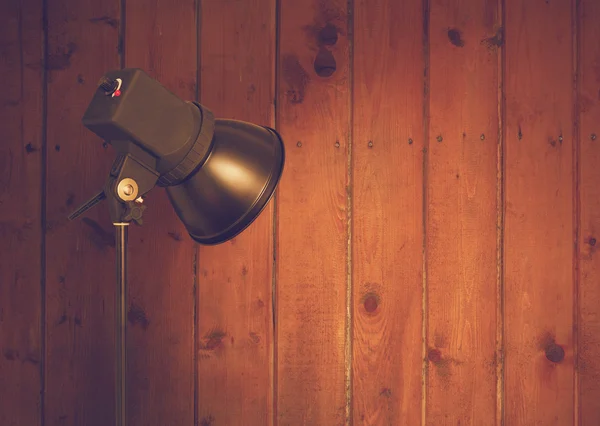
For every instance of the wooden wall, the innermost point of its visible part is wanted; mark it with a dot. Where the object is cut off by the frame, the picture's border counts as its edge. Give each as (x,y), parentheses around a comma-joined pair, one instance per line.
(429,257)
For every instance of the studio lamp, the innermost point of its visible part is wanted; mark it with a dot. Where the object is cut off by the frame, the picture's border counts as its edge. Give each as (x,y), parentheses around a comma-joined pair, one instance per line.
(219,174)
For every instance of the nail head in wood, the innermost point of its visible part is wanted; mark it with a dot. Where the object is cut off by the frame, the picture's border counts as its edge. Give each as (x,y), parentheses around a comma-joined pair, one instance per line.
(555,353)
(434,355)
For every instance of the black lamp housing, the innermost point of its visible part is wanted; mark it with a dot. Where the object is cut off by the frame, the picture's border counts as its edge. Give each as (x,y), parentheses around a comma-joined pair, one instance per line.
(219,174)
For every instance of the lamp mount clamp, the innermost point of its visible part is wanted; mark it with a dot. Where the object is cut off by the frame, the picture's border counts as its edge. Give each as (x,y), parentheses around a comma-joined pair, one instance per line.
(128,182)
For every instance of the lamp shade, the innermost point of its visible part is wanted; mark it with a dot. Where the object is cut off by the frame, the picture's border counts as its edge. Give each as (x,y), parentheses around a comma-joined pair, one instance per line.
(235,183)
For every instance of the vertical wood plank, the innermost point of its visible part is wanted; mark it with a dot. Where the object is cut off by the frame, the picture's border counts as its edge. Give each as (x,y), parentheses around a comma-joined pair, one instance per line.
(313,106)
(160,37)
(387,175)
(21,157)
(235,316)
(462,212)
(82,44)
(539,230)
(589,290)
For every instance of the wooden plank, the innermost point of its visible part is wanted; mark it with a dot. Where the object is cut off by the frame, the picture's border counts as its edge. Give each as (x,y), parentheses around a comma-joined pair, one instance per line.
(235,316)
(588,339)
(539,230)
(313,104)
(462,212)
(160,37)
(80,277)
(21,157)
(387,196)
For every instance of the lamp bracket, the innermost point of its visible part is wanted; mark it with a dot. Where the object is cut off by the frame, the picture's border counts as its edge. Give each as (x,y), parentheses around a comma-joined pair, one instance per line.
(128,181)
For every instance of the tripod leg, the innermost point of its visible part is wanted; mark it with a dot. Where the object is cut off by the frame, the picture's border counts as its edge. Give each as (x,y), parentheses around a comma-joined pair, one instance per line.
(121,324)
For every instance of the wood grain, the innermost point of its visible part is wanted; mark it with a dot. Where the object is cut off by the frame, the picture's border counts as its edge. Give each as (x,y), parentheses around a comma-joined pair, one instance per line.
(539,230)
(387,197)
(80,273)
(313,104)
(462,212)
(589,193)
(235,314)
(21,157)
(160,37)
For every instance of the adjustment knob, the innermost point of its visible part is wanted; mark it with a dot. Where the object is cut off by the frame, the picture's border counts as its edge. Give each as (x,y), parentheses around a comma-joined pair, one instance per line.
(108,85)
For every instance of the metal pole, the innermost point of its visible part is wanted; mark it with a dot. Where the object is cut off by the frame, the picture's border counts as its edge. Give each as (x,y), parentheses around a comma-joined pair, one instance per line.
(121,324)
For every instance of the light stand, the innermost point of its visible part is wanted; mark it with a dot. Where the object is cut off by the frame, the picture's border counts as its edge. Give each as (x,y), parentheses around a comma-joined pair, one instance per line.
(218,174)
(122,215)
(122,230)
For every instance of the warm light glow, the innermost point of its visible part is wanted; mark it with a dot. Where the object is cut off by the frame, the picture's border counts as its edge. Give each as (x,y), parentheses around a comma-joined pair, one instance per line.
(234,175)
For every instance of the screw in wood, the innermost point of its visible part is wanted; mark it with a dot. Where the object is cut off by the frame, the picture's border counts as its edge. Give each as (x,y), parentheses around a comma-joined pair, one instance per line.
(440,138)
(299,144)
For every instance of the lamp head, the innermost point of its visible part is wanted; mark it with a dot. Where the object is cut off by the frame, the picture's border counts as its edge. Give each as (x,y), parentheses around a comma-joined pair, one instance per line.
(218,174)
